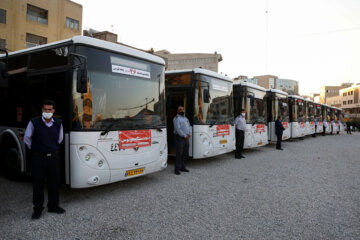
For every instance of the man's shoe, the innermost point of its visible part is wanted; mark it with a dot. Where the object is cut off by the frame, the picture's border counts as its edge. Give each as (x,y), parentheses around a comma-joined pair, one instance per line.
(177,172)
(280,149)
(242,156)
(36,214)
(57,210)
(238,157)
(184,170)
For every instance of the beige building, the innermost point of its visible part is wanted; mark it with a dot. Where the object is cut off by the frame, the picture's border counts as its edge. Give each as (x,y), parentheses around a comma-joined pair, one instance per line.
(266,81)
(190,60)
(328,91)
(347,99)
(28,23)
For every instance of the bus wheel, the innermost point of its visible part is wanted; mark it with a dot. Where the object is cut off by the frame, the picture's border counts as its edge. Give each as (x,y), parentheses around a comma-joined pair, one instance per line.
(13,164)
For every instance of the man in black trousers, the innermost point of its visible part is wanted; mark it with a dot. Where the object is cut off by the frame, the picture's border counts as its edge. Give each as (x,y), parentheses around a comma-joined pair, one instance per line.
(43,136)
(279,128)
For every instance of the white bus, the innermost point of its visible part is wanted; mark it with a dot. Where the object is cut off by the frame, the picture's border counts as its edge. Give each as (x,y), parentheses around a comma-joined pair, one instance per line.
(297,116)
(338,115)
(310,107)
(208,102)
(110,98)
(277,105)
(327,117)
(252,99)
(319,117)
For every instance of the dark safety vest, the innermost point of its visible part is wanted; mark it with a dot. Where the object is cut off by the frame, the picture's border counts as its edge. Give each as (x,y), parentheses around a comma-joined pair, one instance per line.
(45,139)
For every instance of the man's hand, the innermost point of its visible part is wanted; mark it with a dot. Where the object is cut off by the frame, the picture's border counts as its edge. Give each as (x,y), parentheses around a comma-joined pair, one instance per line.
(187,136)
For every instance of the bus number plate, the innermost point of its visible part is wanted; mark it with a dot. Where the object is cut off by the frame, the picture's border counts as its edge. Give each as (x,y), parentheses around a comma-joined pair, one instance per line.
(223,141)
(259,144)
(134,172)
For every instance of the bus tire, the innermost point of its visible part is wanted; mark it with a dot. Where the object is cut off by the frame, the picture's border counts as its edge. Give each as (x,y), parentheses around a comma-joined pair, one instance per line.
(12,164)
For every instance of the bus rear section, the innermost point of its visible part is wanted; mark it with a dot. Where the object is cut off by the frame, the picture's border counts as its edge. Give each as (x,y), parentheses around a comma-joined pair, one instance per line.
(207,99)
(251,98)
(110,98)
(277,105)
(297,116)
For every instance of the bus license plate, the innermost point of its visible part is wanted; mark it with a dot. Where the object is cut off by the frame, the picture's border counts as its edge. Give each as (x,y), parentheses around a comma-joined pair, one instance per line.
(134,172)
(284,137)
(223,141)
(259,143)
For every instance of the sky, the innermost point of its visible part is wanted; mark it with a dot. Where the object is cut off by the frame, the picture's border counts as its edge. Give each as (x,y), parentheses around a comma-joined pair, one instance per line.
(316,42)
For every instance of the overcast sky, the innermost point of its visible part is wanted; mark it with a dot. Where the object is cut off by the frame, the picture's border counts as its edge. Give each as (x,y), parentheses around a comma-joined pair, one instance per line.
(316,42)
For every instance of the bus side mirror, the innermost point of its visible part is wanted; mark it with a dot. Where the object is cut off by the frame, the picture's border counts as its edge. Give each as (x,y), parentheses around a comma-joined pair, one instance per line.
(81,76)
(4,81)
(82,80)
(207,96)
(252,101)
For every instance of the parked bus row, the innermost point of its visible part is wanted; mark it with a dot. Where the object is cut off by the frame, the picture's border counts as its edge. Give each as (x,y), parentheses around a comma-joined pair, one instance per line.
(117,105)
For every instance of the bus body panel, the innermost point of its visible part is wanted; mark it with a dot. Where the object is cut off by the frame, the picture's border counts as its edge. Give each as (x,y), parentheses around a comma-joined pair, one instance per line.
(256,135)
(209,142)
(298,129)
(105,162)
(286,133)
(309,127)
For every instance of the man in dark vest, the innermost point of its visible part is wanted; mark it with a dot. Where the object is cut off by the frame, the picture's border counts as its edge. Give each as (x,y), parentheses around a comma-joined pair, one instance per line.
(43,136)
(279,128)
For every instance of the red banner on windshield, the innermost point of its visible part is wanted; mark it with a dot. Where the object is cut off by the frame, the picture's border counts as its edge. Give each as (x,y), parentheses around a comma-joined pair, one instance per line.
(134,139)
(285,124)
(302,124)
(222,130)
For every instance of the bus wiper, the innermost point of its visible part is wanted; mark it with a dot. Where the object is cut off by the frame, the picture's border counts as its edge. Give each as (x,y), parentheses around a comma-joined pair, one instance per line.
(213,123)
(158,128)
(107,129)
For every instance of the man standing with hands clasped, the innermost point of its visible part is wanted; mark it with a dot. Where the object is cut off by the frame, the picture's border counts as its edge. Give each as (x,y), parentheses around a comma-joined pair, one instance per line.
(43,136)
(182,132)
(279,128)
(240,126)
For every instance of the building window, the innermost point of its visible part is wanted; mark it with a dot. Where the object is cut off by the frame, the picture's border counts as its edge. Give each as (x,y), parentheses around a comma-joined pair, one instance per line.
(72,23)
(2,43)
(344,102)
(2,15)
(34,40)
(37,14)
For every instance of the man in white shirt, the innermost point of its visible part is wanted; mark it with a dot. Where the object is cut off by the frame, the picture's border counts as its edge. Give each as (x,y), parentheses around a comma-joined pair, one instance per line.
(240,126)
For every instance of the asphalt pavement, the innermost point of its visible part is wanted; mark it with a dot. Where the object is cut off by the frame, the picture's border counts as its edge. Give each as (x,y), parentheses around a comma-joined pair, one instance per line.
(311,190)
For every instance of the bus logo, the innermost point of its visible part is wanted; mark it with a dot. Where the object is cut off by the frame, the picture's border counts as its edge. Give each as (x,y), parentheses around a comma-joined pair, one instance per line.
(134,139)
(222,130)
(260,128)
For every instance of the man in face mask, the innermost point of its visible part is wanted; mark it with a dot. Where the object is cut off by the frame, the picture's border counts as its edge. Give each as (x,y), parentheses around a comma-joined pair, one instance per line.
(182,132)
(240,126)
(43,136)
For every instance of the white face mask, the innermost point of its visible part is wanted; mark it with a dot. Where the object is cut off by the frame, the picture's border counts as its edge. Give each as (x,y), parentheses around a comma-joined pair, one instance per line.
(47,115)
(243,114)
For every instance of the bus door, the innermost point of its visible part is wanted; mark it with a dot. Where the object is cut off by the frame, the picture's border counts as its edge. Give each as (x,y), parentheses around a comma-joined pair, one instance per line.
(175,97)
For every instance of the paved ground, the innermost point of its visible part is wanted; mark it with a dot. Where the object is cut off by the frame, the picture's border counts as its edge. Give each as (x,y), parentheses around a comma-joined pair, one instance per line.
(311,190)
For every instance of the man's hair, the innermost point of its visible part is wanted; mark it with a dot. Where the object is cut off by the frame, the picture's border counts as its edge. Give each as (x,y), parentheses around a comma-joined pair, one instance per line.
(49,102)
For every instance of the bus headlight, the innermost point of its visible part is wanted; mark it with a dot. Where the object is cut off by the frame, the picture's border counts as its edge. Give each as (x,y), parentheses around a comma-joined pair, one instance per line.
(92,157)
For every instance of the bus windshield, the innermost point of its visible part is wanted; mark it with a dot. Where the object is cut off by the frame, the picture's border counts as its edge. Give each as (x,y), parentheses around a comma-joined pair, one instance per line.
(217,108)
(256,102)
(311,112)
(281,108)
(300,110)
(123,93)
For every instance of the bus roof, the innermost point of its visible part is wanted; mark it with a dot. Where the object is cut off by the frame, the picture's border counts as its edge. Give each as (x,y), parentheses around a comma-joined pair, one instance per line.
(201,71)
(296,96)
(277,91)
(96,43)
(252,85)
